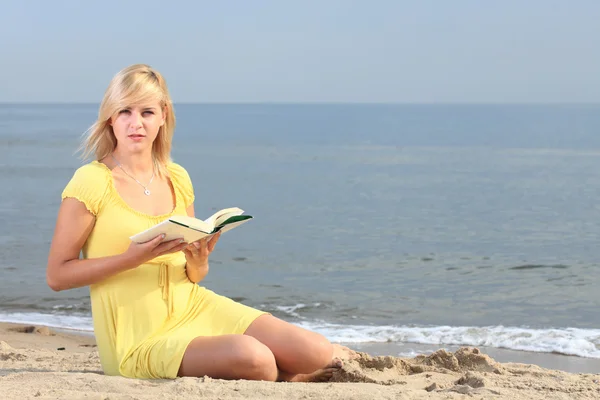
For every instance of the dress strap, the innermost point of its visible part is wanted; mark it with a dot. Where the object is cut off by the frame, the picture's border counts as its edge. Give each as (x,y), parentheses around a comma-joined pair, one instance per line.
(164,284)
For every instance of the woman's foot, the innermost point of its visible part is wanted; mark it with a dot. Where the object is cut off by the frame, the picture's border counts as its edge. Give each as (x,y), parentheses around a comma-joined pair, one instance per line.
(321,375)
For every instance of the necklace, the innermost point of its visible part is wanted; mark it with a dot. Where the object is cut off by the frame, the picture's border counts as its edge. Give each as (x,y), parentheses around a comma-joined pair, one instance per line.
(146,191)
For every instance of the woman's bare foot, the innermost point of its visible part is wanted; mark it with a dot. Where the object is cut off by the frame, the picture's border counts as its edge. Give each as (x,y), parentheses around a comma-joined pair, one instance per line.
(324,374)
(321,375)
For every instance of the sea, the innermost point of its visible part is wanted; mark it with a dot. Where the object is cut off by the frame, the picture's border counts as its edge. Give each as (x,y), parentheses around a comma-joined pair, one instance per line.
(396,229)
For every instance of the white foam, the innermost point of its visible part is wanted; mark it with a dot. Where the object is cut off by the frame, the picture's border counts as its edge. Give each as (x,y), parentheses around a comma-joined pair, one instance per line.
(291,310)
(74,322)
(410,353)
(569,341)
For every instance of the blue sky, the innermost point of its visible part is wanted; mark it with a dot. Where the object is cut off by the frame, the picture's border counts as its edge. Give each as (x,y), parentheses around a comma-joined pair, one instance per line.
(311,51)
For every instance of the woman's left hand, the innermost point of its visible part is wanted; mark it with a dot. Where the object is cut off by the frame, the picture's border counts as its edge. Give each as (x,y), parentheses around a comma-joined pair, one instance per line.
(196,253)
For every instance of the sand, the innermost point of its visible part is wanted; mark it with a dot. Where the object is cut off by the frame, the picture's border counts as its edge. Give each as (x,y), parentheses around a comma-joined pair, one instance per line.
(41,363)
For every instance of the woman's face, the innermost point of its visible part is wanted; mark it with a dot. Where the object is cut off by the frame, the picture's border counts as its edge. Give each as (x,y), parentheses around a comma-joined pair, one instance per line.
(137,126)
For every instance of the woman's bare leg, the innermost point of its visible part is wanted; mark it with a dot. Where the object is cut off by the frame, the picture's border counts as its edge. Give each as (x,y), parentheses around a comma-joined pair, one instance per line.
(229,357)
(300,354)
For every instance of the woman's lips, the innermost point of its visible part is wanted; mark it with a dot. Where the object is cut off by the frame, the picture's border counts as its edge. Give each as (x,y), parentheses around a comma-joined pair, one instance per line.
(136,137)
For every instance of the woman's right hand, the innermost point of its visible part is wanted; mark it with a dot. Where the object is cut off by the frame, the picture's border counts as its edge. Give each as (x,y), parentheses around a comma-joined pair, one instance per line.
(140,253)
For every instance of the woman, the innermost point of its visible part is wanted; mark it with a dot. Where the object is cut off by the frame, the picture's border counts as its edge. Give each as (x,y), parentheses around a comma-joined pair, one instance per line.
(151,319)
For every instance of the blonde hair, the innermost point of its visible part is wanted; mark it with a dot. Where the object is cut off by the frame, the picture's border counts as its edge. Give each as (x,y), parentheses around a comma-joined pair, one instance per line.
(136,84)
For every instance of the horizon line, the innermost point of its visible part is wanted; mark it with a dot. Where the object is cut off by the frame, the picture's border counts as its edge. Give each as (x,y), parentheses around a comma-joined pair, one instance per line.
(548,103)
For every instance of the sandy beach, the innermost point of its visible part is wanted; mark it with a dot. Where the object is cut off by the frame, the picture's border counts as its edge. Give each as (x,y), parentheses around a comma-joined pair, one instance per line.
(42,363)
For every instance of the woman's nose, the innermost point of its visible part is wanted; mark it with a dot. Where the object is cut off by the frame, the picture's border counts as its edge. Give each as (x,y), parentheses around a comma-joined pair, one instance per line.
(135,120)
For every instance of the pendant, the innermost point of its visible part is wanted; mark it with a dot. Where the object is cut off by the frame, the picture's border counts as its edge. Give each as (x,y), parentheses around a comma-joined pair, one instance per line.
(147,192)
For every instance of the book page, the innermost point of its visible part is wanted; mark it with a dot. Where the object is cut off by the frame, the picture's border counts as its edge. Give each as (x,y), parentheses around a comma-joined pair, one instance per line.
(235,223)
(230,219)
(192,222)
(222,215)
(171,230)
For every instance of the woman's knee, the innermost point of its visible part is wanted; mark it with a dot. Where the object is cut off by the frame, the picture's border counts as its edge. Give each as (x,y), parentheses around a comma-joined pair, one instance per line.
(255,360)
(229,357)
(296,349)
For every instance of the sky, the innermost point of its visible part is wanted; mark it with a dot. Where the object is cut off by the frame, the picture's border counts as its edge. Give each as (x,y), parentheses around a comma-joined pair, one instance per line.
(343,51)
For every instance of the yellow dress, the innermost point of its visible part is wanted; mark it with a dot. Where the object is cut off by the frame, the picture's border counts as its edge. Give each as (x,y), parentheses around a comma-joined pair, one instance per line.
(144,318)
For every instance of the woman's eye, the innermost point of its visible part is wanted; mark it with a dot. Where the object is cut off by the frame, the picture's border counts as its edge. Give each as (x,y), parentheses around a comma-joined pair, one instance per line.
(148,112)
(123,111)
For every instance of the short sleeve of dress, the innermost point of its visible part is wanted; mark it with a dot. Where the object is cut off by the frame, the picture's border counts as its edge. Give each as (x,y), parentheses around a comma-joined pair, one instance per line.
(183,183)
(89,185)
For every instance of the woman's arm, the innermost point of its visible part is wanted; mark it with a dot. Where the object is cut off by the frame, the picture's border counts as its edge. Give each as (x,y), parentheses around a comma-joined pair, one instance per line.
(73,225)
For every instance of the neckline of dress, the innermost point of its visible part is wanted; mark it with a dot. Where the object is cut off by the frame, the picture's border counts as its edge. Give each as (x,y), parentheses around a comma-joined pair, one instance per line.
(128,206)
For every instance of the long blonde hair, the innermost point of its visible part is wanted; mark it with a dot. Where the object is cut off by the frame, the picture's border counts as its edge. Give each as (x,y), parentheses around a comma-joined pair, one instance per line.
(136,84)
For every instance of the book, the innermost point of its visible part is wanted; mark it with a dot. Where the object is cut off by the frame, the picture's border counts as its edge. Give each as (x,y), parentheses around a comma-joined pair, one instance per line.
(191,229)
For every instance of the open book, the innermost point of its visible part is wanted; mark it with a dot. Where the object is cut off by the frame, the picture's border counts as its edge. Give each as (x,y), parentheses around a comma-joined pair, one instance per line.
(191,229)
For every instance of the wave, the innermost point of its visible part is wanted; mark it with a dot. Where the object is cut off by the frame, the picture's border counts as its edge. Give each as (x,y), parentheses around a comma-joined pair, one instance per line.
(567,341)
(75,321)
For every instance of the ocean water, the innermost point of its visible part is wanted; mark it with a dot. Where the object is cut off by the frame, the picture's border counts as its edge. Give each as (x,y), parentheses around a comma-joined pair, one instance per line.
(404,226)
